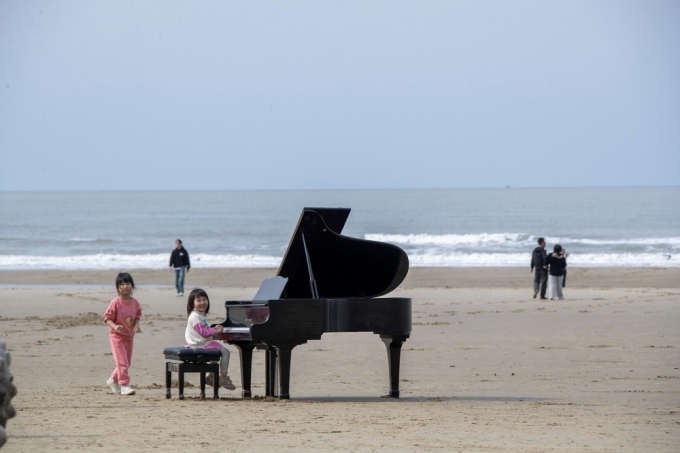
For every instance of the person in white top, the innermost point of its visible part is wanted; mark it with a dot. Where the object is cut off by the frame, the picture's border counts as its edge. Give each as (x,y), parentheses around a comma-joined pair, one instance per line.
(199,334)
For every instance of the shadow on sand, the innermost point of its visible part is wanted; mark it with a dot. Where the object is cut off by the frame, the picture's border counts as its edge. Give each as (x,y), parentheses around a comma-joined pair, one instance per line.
(418,399)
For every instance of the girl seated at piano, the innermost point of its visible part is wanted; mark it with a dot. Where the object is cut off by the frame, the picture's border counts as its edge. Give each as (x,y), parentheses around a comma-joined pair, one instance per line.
(199,334)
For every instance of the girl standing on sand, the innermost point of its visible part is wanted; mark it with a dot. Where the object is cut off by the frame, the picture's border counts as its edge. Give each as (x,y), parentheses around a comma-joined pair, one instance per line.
(199,334)
(122,317)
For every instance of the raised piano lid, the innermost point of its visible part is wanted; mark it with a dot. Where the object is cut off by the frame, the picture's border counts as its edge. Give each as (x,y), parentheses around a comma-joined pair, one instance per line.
(343,267)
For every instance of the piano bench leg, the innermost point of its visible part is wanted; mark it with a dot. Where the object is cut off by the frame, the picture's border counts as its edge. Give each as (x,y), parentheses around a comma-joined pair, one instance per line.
(202,380)
(216,380)
(201,368)
(168,379)
(181,382)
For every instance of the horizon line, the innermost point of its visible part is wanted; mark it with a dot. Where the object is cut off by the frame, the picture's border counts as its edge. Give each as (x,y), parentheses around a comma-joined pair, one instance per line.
(340,189)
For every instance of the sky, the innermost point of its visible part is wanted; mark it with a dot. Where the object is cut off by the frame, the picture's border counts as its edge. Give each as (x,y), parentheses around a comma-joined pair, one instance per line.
(262,95)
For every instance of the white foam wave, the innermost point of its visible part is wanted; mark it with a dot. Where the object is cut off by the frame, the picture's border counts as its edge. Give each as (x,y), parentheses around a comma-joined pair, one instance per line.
(451,239)
(115,261)
(449,259)
(671,241)
(521,260)
(511,239)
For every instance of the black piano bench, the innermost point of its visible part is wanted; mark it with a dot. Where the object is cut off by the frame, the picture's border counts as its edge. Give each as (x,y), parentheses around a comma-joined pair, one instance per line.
(193,361)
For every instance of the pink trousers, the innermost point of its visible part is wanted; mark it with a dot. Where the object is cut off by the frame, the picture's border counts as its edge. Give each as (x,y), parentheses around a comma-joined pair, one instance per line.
(122,354)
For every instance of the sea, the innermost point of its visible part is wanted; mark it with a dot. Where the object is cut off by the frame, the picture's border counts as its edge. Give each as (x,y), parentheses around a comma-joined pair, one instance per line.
(598,227)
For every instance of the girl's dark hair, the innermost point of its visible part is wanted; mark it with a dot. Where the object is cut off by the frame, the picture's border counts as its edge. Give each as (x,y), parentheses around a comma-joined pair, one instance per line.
(192,297)
(124,277)
(557,248)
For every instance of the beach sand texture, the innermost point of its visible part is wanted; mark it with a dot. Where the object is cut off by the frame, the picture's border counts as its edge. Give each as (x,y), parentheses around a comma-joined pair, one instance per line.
(487,368)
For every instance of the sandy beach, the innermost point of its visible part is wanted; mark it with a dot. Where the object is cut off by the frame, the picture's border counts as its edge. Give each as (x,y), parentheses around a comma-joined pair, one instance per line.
(487,368)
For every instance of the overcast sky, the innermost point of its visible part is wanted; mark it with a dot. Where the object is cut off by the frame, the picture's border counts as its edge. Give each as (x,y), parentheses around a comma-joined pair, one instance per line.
(159,95)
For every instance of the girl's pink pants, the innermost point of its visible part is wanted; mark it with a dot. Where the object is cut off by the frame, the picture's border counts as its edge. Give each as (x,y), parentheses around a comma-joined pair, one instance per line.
(122,354)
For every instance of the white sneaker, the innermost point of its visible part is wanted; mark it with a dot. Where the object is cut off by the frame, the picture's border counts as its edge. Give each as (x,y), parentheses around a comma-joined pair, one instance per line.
(181,294)
(178,295)
(127,390)
(225,382)
(115,388)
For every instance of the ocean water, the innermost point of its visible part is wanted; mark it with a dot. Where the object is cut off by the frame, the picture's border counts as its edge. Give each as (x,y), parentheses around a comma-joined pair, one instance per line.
(602,227)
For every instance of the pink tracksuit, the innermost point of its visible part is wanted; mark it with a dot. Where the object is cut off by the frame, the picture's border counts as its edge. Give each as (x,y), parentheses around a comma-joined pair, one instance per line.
(123,313)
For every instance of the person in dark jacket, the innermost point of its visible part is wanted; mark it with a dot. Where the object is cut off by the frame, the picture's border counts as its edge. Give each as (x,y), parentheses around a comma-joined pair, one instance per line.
(557,262)
(539,267)
(179,262)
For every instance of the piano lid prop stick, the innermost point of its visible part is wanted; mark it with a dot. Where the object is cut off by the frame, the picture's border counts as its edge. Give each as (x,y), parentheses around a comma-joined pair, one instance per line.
(312,282)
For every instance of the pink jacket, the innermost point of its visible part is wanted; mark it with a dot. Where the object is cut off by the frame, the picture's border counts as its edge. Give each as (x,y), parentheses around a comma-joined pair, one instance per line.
(123,313)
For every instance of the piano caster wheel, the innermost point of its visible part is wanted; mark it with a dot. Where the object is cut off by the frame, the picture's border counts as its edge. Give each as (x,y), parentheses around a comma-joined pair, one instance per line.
(181,397)
(391,395)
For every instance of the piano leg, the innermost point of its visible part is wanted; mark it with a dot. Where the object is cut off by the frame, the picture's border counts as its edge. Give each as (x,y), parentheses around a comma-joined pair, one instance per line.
(246,354)
(393,344)
(270,371)
(284,350)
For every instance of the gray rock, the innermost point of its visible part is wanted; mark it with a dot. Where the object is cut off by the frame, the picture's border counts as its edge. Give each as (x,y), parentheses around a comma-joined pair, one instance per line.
(7,392)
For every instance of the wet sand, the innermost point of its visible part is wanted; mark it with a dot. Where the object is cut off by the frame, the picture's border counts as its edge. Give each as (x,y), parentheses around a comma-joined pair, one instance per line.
(487,368)
(435,277)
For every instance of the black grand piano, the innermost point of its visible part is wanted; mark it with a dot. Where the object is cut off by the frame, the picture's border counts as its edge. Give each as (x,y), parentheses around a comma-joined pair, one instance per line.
(326,283)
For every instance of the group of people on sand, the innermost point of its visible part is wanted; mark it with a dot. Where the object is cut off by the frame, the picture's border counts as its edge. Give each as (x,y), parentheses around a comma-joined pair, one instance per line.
(550,270)
(123,318)
(124,312)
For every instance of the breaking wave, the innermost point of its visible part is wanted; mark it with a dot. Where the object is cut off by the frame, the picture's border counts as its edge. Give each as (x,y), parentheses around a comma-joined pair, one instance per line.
(417,259)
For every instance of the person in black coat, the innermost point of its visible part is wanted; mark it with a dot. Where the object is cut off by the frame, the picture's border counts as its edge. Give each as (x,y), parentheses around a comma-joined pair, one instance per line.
(179,262)
(540,268)
(557,263)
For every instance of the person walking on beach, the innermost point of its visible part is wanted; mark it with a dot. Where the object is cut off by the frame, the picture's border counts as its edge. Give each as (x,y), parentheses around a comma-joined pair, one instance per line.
(557,261)
(179,262)
(539,267)
(122,317)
